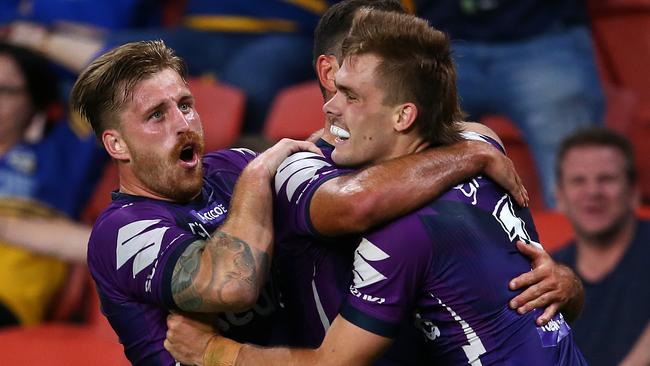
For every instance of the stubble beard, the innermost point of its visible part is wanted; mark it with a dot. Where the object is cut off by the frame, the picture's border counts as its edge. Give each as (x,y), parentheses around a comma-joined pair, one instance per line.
(163,175)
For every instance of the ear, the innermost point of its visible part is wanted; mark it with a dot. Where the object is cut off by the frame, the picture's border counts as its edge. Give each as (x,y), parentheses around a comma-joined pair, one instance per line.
(326,68)
(405,116)
(115,145)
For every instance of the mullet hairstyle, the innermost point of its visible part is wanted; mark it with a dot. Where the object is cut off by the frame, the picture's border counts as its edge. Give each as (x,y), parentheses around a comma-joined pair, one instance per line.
(598,137)
(336,22)
(107,83)
(415,66)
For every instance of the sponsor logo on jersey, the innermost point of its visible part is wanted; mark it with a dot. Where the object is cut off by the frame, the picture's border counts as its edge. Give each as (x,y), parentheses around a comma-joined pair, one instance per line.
(469,189)
(138,241)
(554,331)
(297,169)
(210,214)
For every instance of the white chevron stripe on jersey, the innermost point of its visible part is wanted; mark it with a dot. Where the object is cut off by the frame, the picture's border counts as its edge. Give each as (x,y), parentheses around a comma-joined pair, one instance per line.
(297,169)
(364,273)
(133,241)
(475,136)
(243,151)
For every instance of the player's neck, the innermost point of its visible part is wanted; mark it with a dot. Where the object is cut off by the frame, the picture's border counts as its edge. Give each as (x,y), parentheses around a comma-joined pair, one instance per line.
(598,256)
(406,144)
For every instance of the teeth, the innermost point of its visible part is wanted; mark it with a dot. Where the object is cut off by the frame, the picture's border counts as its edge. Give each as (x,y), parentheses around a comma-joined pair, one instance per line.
(339,132)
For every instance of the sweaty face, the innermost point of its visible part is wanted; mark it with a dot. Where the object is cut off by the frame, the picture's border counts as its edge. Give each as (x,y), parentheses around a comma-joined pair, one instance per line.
(15,107)
(164,137)
(359,119)
(594,191)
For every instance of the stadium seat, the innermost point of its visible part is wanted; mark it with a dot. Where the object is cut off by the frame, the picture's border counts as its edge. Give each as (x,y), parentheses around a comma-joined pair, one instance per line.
(101,196)
(296,112)
(221,108)
(644,212)
(68,302)
(518,152)
(554,229)
(59,345)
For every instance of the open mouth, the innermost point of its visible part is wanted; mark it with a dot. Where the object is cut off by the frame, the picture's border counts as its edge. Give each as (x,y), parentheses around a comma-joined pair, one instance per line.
(188,155)
(339,133)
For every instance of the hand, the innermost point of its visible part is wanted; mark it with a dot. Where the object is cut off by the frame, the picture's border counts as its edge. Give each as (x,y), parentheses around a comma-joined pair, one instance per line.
(275,155)
(501,169)
(28,35)
(187,339)
(548,285)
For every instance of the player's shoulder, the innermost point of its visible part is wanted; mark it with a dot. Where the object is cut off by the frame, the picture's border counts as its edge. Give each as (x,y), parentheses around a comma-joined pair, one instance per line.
(127,211)
(406,235)
(233,156)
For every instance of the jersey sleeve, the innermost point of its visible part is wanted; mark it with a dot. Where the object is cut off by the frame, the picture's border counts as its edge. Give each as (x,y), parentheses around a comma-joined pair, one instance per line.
(132,254)
(389,269)
(296,181)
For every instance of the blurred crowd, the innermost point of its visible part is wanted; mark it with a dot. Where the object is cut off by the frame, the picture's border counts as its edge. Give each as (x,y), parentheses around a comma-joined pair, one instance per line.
(531,61)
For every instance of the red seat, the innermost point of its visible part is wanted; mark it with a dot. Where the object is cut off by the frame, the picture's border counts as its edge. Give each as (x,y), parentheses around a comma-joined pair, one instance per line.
(221,108)
(296,113)
(518,152)
(554,229)
(59,345)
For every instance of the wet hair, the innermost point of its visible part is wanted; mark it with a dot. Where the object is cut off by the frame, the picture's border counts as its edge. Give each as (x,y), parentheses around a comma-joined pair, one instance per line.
(336,22)
(107,83)
(598,137)
(415,66)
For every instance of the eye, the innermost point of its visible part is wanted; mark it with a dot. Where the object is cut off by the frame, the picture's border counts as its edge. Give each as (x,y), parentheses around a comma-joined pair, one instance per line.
(156,115)
(350,98)
(184,107)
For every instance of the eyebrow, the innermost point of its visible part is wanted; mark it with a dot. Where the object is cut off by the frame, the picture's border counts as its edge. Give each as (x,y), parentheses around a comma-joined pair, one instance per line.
(343,88)
(150,110)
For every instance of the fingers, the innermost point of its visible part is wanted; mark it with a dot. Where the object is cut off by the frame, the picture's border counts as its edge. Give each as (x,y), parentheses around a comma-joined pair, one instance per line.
(525,280)
(549,313)
(533,251)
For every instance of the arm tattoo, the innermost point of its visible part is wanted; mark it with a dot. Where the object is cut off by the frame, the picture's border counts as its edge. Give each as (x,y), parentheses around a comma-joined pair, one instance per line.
(231,265)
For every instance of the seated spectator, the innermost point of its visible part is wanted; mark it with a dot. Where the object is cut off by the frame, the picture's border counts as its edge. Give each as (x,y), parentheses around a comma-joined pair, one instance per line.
(259,46)
(47,170)
(504,67)
(597,190)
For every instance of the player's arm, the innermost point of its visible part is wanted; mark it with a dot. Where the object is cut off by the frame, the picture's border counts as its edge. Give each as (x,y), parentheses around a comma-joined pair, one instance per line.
(344,344)
(549,285)
(356,202)
(226,272)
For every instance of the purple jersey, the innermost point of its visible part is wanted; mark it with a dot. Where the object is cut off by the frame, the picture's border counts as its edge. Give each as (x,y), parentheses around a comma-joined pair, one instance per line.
(447,266)
(134,247)
(313,272)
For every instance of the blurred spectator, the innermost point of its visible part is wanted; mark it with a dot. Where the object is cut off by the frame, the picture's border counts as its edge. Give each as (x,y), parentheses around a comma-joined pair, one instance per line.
(529,60)
(259,46)
(71,28)
(47,170)
(597,190)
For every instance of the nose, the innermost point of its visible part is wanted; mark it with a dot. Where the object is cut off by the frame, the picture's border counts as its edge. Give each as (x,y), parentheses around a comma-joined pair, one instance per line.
(181,121)
(332,108)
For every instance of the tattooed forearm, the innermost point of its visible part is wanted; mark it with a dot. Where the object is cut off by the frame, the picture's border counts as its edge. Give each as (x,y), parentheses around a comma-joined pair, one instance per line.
(224,274)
